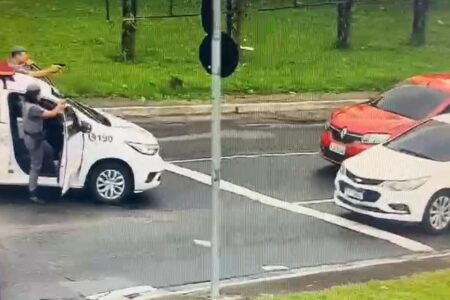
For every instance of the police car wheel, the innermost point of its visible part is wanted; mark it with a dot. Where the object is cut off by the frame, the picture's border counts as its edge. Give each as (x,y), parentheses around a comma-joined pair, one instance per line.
(111,183)
(436,219)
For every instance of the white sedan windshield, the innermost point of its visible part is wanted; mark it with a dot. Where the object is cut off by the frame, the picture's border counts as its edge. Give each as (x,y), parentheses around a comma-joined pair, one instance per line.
(430,140)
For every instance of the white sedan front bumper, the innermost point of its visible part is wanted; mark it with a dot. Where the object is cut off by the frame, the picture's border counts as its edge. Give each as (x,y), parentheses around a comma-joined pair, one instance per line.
(378,202)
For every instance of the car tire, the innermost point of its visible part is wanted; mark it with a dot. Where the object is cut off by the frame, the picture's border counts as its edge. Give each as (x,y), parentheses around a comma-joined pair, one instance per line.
(438,209)
(111,183)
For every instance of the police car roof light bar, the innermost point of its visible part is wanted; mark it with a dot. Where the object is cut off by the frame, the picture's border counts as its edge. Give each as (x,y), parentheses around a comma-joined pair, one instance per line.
(6,73)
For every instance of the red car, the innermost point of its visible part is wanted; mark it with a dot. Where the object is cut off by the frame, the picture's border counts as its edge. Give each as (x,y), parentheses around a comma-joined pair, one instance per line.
(354,129)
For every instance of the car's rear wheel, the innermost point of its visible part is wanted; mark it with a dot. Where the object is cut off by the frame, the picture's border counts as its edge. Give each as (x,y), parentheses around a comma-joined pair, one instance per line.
(111,183)
(436,218)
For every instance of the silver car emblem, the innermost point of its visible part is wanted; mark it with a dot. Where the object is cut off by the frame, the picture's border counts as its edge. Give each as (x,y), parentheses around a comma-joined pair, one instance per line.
(344,133)
(358,179)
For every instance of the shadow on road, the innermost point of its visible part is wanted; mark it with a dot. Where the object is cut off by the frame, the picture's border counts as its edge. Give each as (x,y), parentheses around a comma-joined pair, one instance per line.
(325,176)
(18,195)
(392,226)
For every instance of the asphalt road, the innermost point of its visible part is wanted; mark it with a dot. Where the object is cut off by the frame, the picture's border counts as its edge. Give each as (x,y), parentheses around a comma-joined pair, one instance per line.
(71,247)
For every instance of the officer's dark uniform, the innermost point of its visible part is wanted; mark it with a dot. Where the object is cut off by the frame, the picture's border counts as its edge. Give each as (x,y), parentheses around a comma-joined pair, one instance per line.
(34,138)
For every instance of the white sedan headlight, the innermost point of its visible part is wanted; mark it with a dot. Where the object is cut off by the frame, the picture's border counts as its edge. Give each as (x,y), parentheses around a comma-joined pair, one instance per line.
(376,138)
(147,149)
(405,185)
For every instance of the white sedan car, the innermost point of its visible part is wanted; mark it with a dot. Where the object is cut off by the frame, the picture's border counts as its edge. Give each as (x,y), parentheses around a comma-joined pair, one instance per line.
(406,179)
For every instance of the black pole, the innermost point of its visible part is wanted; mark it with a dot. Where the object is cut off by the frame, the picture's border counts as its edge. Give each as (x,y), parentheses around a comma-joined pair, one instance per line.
(108,17)
(344,21)
(230,17)
(418,36)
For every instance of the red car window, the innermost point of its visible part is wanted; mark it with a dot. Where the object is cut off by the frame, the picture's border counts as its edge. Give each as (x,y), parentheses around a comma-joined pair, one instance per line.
(411,101)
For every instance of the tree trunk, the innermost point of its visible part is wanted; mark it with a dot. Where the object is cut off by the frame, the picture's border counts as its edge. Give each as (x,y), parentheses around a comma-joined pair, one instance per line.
(236,10)
(419,23)
(241,6)
(230,17)
(170,7)
(344,21)
(107,7)
(129,26)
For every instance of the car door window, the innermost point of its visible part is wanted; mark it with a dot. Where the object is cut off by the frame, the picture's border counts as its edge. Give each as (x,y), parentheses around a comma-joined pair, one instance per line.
(4,143)
(47,104)
(71,121)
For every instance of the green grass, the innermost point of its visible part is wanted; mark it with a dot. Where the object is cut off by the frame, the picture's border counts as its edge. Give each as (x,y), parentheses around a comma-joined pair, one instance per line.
(434,286)
(293,49)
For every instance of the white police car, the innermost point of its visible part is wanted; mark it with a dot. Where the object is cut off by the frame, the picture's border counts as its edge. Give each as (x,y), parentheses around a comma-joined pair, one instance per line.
(110,156)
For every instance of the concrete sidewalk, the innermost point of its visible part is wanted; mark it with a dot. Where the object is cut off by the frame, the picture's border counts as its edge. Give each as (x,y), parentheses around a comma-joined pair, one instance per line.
(297,107)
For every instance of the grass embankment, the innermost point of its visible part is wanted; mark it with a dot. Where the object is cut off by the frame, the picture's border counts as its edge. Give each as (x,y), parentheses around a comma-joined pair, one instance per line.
(293,49)
(433,286)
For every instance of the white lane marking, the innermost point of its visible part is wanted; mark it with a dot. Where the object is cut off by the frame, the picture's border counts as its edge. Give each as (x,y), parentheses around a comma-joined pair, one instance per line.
(274,268)
(231,134)
(128,293)
(202,243)
(314,202)
(282,125)
(247,156)
(293,273)
(329,218)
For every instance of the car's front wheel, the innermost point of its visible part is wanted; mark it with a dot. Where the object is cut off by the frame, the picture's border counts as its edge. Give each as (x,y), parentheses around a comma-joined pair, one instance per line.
(111,183)
(436,218)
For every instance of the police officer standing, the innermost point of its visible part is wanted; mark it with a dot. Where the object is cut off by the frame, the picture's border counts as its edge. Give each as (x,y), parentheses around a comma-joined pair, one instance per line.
(34,136)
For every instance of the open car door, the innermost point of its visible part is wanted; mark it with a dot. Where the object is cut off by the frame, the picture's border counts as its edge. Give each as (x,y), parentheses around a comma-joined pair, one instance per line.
(5,148)
(72,154)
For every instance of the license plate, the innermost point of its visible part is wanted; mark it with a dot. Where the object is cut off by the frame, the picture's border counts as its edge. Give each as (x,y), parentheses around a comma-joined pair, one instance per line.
(354,194)
(337,148)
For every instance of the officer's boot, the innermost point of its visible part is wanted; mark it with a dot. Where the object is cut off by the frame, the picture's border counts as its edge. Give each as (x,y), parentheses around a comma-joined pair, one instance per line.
(34,198)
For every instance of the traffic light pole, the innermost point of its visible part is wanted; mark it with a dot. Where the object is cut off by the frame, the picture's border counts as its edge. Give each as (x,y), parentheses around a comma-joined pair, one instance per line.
(216,90)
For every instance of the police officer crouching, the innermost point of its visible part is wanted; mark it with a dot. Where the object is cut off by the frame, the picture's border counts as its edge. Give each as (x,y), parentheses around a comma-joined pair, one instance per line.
(34,136)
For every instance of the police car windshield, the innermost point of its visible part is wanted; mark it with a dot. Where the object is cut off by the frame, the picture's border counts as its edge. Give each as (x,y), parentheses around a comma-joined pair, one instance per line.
(431,140)
(91,113)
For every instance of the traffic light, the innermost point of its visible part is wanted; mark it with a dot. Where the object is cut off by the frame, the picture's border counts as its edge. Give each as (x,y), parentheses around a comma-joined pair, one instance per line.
(207,16)
(229,57)
(229,48)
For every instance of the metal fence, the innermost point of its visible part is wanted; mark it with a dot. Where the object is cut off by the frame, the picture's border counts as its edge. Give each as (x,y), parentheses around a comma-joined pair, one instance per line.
(182,8)
(343,10)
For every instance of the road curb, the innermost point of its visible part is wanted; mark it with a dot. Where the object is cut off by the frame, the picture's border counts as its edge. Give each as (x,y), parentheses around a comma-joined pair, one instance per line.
(301,111)
(302,280)
(315,279)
